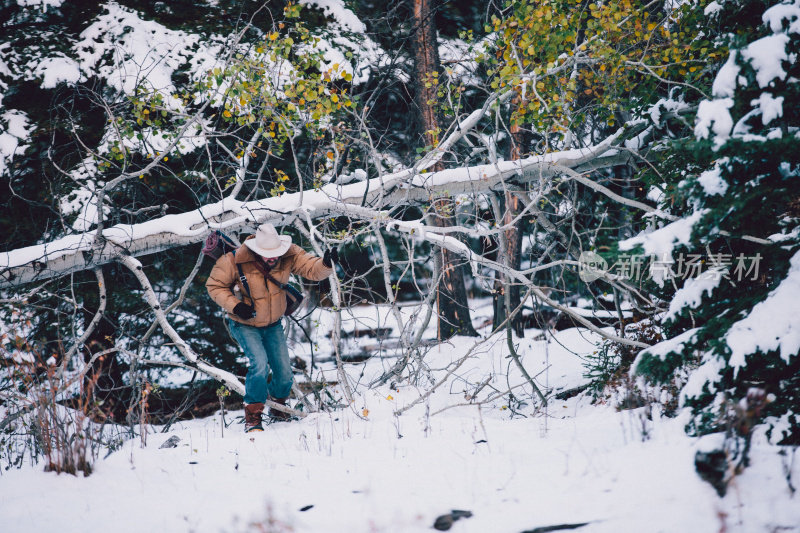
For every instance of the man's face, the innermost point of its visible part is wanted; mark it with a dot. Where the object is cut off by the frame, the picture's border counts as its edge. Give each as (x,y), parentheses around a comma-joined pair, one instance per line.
(270,261)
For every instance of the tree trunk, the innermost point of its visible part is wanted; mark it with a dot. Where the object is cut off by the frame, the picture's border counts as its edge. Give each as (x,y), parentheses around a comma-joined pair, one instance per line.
(512,206)
(513,254)
(75,253)
(451,296)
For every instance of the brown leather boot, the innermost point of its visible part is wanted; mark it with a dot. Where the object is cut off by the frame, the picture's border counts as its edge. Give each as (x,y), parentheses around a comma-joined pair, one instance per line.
(279,416)
(252,417)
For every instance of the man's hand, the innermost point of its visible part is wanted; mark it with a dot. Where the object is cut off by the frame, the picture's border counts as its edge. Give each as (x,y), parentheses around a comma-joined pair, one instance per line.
(244,311)
(330,257)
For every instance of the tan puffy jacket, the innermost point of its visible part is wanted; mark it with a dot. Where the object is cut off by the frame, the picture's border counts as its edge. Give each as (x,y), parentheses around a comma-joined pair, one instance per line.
(269,300)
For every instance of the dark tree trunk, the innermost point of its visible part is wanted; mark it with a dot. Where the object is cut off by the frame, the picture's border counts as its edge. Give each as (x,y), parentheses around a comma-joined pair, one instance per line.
(451,296)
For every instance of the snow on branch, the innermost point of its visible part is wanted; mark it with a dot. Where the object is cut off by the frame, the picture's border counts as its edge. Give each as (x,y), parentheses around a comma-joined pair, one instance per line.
(192,358)
(89,250)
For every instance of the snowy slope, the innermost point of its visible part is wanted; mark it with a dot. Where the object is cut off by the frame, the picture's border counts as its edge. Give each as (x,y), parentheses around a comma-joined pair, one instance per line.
(573,462)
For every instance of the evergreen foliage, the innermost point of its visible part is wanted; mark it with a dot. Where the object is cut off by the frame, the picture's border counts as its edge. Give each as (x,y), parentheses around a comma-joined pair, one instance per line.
(731,323)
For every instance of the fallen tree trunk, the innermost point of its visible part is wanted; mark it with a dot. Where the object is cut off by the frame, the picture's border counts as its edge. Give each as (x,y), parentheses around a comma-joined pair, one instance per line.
(90,250)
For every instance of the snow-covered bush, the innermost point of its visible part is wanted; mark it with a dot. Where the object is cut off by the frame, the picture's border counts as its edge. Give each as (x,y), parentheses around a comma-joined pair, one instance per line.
(734,322)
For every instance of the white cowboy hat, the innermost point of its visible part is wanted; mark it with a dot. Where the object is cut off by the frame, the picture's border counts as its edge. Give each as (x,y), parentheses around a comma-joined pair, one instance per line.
(267,243)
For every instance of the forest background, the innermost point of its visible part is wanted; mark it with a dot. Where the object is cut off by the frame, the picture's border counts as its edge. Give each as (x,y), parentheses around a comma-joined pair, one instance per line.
(627,167)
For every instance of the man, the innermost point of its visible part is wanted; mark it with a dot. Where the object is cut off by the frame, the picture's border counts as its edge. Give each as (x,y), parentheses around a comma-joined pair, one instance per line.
(254,315)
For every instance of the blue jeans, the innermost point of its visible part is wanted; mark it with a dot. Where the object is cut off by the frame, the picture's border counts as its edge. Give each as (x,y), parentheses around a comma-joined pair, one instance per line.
(266,350)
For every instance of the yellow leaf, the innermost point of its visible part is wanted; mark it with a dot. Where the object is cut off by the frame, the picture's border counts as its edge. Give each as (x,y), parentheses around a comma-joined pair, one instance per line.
(226,114)
(273,36)
(365,412)
(329,155)
(390,397)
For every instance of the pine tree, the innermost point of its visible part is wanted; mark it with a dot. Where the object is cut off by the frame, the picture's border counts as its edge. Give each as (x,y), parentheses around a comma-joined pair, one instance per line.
(733,323)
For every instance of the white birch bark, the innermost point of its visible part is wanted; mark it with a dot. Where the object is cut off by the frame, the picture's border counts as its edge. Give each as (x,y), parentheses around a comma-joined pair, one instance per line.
(89,250)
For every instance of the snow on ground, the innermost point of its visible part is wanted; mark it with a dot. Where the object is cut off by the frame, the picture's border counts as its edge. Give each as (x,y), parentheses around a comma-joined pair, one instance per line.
(363,469)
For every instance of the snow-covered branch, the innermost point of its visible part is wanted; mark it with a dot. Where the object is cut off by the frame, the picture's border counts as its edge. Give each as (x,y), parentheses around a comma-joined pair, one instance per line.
(89,250)
(193,360)
(186,351)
